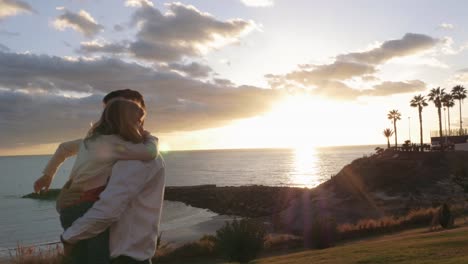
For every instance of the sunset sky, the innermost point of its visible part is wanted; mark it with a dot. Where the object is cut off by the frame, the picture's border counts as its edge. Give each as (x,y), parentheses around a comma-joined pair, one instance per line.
(228,73)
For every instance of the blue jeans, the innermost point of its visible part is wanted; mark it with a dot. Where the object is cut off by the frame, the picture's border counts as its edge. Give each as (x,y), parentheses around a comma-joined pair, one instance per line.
(94,250)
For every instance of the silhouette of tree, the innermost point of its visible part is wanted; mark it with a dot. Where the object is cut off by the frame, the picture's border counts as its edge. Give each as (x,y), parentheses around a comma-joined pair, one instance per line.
(419,101)
(459,93)
(394,115)
(388,133)
(448,101)
(436,95)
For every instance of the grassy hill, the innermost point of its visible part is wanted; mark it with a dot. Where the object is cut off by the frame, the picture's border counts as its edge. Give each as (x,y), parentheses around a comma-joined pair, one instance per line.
(414,246)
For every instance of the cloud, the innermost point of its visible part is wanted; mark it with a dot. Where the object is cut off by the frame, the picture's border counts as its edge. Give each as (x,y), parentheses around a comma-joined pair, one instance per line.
(336,90)
(410,44)
(4,48)
(448,46)
(9,33)
(390,88)
(258,3)
(32,88)
(14,7)
(194,69)
(447,26)
(183,31)
(21,113)
(459,77)
(98,47)
(369,78)
(118,28)
(223,82)
(330,79)
(138,3)
(339,70)
(82,22)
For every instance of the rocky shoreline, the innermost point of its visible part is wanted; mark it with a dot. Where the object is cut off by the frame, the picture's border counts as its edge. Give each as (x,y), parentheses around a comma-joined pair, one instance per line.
(244,201)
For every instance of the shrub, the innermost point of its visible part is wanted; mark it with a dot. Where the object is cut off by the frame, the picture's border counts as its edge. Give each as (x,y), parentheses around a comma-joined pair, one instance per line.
(240,240)
(283,241)
(322,234)
(203,248)
(445,216)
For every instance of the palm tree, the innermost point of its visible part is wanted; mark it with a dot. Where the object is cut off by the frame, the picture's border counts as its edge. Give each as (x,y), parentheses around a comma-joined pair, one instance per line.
(436,95)
(388,133)
(448,101)
(419,101)
(459,93)
(394,115)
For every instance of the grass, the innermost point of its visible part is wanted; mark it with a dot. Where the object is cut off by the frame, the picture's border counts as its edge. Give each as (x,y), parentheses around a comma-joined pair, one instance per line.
(414,246)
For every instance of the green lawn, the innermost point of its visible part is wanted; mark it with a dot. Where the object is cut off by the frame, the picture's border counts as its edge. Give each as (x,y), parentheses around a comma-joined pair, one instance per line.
(414,246)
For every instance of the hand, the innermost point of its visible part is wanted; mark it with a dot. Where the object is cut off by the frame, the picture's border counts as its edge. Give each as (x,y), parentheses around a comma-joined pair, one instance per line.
(42,184)
(145,133)
(68,196)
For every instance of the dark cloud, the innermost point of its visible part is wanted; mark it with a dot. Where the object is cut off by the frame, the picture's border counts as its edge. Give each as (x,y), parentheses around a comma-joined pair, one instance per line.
(82,22)
(410,44)
(329,79)
(338,70)
(183,31)
(14,7)
(118,28)
(34,101)
(336,89)
(4,48)
(223,82)
(193,69)
(95,47)
(38,118)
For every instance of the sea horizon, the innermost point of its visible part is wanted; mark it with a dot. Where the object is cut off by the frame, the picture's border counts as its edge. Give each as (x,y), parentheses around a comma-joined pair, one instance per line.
(228,149)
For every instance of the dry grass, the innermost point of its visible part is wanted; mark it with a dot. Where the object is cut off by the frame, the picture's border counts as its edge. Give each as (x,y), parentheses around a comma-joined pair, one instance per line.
(50,254)
(366,227)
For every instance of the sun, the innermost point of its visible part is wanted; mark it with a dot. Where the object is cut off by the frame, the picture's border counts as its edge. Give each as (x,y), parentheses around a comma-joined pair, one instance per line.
(299,118)
(164,147)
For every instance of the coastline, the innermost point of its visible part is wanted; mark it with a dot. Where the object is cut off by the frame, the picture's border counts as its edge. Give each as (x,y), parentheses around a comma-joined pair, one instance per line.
(386,184)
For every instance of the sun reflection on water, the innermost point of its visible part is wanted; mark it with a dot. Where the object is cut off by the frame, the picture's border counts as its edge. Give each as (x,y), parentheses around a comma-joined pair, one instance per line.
(305,168)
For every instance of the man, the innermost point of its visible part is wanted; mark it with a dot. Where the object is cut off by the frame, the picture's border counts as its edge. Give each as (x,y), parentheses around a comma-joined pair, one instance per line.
(131,206)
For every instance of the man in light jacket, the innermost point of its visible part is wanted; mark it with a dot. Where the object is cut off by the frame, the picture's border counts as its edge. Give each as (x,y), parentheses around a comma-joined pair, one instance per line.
(131,206)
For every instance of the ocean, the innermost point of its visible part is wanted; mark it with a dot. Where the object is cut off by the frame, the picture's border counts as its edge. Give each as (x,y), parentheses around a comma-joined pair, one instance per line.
(32,222)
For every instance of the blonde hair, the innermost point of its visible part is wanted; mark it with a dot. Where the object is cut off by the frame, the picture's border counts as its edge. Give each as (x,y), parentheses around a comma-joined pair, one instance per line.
(120,117)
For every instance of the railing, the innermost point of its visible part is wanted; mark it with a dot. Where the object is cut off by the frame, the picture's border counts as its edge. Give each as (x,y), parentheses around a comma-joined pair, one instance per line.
(451,132)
